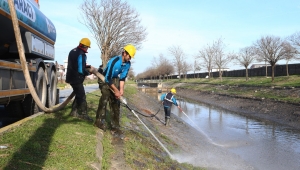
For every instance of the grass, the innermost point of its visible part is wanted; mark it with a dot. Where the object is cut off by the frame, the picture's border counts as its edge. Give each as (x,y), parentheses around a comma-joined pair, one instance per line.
(58,141)
(50,141)
(283,88)
(108,151)
(281,81)
(142,152)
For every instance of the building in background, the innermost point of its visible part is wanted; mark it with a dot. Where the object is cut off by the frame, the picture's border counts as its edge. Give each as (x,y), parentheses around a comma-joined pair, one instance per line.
(259,65)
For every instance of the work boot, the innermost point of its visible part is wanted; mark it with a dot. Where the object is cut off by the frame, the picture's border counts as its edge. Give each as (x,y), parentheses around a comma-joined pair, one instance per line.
(167,120)
(117,133)
(82,112)
(100,124)
(74,109)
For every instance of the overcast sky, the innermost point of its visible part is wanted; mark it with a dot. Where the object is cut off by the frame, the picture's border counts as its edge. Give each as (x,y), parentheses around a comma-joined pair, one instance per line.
(191,24)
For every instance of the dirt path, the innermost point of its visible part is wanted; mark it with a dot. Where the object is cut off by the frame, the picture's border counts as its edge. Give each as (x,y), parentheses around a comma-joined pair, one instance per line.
(191,146)
(118,160)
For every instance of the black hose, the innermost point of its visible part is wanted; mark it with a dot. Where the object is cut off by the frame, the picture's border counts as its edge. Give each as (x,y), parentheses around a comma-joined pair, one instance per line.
(126,105)
(152,115)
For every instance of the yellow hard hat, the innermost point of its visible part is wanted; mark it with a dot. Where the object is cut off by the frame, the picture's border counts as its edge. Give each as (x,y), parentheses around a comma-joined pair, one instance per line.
(130,49)
(173,91)
(86,42)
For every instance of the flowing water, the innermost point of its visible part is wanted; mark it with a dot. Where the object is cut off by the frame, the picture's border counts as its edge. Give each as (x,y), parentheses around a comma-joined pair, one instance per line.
(260,145)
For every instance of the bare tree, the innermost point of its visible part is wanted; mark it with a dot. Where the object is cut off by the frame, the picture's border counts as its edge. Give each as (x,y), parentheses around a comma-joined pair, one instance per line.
(164,66)
(206,54)
(150,72)
(113,24)
(196,67)
(178,55)
(155,64)
(270,49)
(290,54)
(293,48)
(295,39)
(141,76)
(245,57)
(169,69)
(220,59)
(186,67)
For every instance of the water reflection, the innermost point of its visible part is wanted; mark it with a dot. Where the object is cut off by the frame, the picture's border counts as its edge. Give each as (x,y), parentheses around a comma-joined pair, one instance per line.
(264,145)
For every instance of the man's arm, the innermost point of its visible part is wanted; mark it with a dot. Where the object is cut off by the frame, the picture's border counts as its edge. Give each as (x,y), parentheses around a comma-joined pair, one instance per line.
(175,103)
(122,84)
(116,91)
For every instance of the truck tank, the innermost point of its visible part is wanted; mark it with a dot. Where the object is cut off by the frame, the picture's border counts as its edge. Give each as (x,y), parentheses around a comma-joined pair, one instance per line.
(38,37)
(37,31)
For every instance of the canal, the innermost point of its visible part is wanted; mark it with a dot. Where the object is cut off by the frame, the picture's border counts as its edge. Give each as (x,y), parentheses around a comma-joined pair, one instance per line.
(261,145)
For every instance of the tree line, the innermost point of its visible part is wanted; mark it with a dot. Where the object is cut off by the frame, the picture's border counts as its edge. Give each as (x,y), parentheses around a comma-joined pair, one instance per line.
(114,23)
(269,49)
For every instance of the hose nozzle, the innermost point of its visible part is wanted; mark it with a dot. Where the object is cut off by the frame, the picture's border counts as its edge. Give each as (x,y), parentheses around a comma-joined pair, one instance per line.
(123,100)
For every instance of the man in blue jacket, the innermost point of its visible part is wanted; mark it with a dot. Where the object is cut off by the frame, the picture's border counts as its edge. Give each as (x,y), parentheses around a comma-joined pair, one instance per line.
(115,74)
(167,100)
(76,72)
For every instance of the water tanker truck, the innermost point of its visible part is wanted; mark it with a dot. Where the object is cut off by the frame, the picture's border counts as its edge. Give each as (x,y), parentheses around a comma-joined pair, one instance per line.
(38,36)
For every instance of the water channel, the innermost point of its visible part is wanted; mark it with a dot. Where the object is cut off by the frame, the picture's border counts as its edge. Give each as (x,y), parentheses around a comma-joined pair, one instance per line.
(261,145)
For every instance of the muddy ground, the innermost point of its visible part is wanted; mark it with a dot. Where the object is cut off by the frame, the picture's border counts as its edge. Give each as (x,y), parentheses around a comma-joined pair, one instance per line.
(189,144)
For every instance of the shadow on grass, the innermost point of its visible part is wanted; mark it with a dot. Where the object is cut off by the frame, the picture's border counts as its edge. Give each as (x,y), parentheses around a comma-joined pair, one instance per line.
(33,154)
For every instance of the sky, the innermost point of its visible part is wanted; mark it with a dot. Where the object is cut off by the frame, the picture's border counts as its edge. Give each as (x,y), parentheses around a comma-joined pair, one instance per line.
(190,24)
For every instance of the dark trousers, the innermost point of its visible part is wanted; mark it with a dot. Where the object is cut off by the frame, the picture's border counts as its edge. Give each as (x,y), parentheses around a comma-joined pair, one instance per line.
(108,96)
(79,93)
(167,111)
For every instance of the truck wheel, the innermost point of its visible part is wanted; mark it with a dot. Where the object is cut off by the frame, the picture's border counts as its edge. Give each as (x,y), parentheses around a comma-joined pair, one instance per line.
(51,101)
(41,86)
(57,97)
(29,106)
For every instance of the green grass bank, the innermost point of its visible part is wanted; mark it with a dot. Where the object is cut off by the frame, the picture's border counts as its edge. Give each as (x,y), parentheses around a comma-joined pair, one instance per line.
(59,141)
(284,89)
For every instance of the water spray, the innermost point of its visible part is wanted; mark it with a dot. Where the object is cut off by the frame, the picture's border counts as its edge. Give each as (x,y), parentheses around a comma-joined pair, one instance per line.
(123,100)
(210,140)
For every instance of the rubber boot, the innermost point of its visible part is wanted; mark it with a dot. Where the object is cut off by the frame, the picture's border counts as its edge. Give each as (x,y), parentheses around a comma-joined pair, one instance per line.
(101,115)
(82,112)
(115,120)
(167,120)
(74,109)
(116,131)
(100,124)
